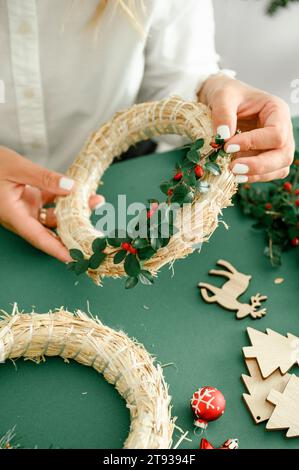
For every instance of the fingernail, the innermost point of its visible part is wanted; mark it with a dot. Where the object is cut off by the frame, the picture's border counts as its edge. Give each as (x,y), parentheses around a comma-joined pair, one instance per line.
(233,148)
(223,132)
(66,183)
(240,169)
(241,179)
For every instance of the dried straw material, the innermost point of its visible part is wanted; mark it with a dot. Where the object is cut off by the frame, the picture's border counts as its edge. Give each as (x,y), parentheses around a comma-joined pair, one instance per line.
(143,121)
(122,361)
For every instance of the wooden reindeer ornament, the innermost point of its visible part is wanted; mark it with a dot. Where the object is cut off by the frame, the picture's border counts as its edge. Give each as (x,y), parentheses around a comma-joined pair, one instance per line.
(227,295)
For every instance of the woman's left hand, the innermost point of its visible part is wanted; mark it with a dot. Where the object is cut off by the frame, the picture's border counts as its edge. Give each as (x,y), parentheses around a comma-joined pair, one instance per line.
(265,149)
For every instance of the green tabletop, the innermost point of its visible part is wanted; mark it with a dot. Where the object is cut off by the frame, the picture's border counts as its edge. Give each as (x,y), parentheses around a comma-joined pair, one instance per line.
(71,406)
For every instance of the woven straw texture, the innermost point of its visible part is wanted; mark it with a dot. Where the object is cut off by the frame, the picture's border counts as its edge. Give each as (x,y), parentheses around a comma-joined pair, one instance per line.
(123,362)
(140,122)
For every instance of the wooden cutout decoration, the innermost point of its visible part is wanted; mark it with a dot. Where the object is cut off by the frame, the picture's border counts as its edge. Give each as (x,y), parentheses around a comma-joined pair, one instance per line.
(227,295)
(259,389)
(272,350)
(286,412)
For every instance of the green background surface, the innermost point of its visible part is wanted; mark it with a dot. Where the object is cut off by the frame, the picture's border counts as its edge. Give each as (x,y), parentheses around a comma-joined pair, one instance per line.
(71,406)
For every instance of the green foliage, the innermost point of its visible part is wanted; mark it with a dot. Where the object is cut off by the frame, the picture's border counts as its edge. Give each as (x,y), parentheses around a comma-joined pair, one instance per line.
(275,209)
(132,251)
(275,5)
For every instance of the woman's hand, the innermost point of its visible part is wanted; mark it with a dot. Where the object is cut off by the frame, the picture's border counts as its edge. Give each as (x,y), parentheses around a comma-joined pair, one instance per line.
(24,189)
(265,149)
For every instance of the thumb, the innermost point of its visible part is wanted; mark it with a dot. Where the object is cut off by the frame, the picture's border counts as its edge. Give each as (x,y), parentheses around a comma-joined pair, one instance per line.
(23,171)
(224,115)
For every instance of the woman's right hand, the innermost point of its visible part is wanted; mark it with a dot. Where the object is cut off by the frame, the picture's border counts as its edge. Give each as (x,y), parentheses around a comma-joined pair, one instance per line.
(24,189)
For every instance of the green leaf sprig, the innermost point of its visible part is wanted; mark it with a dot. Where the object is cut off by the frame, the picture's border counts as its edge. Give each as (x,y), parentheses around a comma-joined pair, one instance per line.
(275,207)
(188,179)
(133,251)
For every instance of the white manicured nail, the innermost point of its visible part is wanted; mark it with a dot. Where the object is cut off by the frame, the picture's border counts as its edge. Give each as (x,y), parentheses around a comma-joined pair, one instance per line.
(233,148)
(241,179)
(223,132)
(66,183)
(240,169)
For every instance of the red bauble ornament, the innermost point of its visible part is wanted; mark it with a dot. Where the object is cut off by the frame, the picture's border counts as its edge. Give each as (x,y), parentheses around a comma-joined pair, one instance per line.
(208,404)
(297,202)
(229,444)
(295,241)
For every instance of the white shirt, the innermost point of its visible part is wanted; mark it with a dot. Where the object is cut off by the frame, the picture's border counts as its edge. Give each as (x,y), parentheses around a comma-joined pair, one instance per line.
(62,81)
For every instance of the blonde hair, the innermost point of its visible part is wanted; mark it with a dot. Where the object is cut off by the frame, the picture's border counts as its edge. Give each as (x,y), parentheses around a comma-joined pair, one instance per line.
(129,7)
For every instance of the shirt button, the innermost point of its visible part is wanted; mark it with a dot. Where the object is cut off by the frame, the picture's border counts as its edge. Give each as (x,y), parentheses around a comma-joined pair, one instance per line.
(24,28)
(29,93)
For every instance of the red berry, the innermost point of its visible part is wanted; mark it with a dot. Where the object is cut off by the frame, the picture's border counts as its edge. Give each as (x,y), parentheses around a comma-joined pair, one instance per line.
(132,250)
(199,171)
(125,246)
(152,210)
(295,241)
(287,186)
(170,192)
(214,145)
(296,192)
(297,162)
(178,176)
(268,206)
(297,202)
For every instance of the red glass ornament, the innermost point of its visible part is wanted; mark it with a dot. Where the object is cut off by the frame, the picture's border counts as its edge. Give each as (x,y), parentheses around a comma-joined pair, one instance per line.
(208,404)
(229,444)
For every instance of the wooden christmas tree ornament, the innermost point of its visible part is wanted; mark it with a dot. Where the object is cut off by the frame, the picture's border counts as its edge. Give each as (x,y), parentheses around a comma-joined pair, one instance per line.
(259,389)
(144,121)
(286,412)
(227,295)
(272,351)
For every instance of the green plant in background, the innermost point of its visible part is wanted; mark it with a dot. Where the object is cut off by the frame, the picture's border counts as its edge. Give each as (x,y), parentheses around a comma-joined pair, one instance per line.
(277,4)
(275,206)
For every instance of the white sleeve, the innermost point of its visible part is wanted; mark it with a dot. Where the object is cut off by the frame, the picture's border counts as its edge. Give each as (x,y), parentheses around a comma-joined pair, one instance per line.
(180,51)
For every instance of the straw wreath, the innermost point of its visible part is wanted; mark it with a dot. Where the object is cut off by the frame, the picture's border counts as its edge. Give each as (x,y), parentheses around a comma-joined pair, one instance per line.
(143,121)
(122,361)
